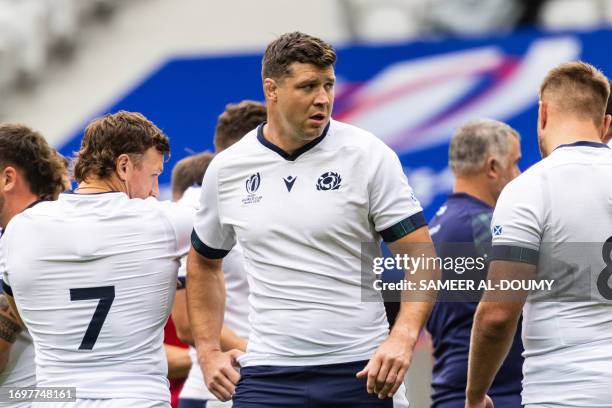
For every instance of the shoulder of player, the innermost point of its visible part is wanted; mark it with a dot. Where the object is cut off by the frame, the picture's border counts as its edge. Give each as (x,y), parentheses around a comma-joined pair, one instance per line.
(168,208)
(178,216)
(191,197)
(529,178)
(347,135)
(41,209)
(243,147)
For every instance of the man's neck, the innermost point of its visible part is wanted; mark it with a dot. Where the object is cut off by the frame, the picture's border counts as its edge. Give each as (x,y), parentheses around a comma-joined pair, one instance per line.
(474,189)
(15,205)
(277,135)
(569,132)
(95,185)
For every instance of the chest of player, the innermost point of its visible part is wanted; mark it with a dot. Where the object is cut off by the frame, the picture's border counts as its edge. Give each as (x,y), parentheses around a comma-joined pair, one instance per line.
(315,197)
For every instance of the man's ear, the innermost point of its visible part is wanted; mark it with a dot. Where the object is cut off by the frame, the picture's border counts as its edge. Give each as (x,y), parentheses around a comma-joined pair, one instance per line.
(606,127)
(492,167)
(123,167)
(542,115)
(9,178)
(270,87)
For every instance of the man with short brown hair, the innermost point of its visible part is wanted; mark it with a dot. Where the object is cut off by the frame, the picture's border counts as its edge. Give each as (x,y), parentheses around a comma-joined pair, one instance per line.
(93,274)
(234,119)
(189,172)
(301,193)
(126,135)
(575,89)
(562,200)
(30,171)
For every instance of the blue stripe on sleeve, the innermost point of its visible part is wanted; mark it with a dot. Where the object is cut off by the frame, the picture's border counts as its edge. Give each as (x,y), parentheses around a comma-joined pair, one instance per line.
(515,254)
(404,227)
(204,250)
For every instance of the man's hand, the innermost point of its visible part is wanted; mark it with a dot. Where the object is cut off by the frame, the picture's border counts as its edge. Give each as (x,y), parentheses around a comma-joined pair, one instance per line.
(386,369)
(485,402)
(219,372)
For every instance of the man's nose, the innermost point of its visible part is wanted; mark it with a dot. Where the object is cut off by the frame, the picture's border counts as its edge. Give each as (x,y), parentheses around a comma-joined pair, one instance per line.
(322,97)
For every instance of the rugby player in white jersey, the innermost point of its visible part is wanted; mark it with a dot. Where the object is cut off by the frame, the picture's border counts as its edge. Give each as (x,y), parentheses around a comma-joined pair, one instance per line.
(540,217)
(93,274)
(30,172)
(235,122)
(300,194)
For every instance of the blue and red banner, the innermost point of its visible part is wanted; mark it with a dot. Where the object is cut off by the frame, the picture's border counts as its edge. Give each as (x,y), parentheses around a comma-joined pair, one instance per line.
(413,96)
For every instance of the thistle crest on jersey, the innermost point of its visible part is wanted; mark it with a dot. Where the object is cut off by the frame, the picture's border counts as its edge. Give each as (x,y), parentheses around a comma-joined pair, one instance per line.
(329,181)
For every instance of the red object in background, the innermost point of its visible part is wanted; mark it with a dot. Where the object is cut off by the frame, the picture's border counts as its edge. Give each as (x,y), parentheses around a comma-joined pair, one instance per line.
(170,338)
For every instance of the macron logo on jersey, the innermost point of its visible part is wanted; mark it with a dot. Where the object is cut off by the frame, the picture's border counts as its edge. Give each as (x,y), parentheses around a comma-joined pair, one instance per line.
(289,182)
(497,230)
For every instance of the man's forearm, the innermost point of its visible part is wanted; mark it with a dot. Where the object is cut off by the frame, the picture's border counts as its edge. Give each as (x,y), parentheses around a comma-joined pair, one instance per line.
(205,300)
(416,305)
(230,340)
(494,326)
(410,321)
(179,362)
(491,340)
(180,318)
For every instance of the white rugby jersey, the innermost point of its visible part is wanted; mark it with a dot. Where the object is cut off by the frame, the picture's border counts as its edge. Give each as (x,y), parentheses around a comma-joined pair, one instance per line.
(236,306)
(300,220)
(549,213)
(94,277)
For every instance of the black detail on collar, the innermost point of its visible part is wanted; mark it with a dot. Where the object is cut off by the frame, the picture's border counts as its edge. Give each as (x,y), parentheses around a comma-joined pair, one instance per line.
(298,152)
(584,143)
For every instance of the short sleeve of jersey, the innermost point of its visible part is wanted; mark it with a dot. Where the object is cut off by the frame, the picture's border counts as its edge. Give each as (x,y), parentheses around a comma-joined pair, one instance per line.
(181,218)
(211,238)
(394,209)
(518,220)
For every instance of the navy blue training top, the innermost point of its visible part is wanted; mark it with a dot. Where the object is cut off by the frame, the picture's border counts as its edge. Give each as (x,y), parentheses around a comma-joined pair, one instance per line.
(464,219)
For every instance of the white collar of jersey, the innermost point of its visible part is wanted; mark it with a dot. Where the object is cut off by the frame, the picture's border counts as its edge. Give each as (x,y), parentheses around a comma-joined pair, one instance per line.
(298,152)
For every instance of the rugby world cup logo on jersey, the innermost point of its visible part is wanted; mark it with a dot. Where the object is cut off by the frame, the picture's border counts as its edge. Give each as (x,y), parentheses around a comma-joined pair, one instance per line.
(252,184)
(329,181)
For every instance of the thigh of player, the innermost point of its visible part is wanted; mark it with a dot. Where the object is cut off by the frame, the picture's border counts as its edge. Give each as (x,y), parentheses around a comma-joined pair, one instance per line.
(324,386)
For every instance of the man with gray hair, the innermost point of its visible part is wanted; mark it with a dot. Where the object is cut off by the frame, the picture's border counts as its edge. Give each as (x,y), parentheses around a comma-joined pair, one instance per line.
(483,155)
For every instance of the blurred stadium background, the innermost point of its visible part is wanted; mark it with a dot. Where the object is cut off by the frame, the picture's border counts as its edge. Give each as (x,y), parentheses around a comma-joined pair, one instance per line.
(409,70)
